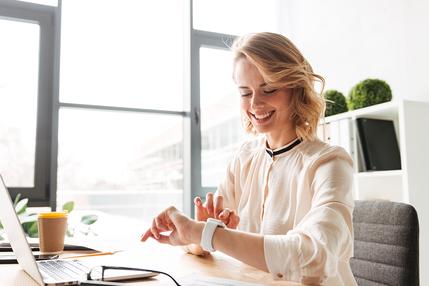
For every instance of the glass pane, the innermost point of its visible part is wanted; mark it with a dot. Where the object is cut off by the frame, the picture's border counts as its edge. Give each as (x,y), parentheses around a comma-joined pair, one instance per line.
(129,53)
(121,163)
(19,58)
(236,17)
(221,128)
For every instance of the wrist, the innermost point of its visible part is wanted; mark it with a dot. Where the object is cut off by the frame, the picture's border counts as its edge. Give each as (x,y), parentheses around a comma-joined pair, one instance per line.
(195,233)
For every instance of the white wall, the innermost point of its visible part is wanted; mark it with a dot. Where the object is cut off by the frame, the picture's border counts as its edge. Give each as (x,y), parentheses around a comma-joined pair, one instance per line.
(347,41)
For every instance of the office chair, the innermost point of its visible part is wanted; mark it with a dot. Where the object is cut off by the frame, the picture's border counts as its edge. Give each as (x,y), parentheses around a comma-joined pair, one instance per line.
(386,244)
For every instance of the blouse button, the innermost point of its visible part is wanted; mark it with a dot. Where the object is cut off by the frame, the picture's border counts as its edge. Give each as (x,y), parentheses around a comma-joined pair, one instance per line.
(279,275)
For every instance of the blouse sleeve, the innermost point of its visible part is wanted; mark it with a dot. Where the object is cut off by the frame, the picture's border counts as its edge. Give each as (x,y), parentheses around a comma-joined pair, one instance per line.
(312,249)
(227,187)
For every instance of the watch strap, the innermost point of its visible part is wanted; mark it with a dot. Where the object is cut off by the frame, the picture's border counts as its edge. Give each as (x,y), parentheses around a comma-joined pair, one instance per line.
(208,232)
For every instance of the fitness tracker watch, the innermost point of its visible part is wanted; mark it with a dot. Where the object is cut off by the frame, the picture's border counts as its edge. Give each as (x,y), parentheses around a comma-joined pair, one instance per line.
(208,232)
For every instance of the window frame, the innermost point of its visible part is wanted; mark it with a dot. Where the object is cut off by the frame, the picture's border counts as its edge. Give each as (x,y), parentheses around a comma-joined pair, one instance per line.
(210,40)
(48,19)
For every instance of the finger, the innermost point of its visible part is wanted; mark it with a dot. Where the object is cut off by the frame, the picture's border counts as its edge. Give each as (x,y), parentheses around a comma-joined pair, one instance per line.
(160,225)
(209,204)
(200,210)
(164,239)
(218,205)
(234,220)
(170,210)
(154,229)
(146,235)
(198,202)
(224,216)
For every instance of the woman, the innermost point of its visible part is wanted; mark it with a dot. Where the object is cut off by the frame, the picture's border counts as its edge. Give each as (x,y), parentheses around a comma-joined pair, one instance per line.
(289,194)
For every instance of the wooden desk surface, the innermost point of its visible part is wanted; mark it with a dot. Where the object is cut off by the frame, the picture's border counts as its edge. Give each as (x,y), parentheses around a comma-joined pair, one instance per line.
(172,260)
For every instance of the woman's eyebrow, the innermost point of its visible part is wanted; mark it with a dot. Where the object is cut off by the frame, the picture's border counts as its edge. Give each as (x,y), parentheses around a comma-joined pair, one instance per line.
(246,87)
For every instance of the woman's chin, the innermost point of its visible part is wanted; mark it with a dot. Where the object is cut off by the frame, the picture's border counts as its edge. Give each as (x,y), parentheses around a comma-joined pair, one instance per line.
(262,129)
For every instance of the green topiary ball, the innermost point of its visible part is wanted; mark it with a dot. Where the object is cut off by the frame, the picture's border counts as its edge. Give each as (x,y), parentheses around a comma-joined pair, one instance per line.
(335,102)
(369,92)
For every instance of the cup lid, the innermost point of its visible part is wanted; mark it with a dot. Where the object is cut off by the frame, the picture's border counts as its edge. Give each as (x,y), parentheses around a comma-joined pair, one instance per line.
(52,215)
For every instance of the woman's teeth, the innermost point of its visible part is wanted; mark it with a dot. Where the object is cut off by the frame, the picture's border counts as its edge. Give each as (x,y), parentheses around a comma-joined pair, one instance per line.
(262,116)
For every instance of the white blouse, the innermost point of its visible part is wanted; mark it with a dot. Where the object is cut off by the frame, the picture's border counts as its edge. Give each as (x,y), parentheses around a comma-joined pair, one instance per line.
(301,201)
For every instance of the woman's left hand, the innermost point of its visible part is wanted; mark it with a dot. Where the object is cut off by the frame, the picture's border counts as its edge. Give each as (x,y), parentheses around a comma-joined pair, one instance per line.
(213,208)
(182,228)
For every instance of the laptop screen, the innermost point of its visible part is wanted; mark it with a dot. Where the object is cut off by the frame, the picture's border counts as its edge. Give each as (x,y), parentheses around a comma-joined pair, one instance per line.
(16,235)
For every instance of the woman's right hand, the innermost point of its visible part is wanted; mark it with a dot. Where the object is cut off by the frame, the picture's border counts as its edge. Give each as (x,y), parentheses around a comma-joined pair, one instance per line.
(213,208)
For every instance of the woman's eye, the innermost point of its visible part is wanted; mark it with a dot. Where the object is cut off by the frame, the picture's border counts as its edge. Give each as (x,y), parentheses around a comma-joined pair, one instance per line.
(268,91)
(245,94)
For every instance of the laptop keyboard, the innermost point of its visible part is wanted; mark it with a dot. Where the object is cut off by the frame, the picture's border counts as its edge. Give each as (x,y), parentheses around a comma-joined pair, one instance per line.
(63,270)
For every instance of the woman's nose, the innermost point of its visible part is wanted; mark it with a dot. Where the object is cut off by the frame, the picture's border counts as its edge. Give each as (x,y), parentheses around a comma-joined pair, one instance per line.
(257,101)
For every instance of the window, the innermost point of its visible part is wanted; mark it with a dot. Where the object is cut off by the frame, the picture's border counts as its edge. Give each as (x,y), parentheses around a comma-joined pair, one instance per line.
(121,116)
(18,108)
(124,163)
(123,55)
(27,88)
(221,129)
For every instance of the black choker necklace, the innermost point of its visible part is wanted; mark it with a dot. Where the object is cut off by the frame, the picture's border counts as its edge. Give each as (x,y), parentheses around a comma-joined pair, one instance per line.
(285,149)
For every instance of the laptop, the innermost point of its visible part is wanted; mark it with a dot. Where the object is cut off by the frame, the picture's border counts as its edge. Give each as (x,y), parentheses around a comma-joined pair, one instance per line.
(48,272)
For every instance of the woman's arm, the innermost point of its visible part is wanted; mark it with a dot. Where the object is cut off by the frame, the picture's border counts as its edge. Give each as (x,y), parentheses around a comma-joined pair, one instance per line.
(247,247)
(324,236)
(244,246)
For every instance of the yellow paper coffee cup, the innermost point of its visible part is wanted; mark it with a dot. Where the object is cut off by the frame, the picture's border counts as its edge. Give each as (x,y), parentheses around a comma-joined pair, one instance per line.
(52,230)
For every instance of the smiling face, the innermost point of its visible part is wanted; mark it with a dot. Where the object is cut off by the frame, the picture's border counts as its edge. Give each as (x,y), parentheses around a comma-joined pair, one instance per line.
(267,108)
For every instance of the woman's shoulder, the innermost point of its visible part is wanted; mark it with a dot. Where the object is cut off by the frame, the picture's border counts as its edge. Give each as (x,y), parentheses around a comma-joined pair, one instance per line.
(252,144)
(250,147)
(318,151)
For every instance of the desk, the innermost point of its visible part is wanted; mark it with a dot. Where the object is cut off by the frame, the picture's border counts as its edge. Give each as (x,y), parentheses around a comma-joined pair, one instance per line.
(172,260)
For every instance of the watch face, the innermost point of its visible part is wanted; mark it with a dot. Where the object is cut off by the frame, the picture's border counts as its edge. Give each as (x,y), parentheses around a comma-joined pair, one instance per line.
(216,221)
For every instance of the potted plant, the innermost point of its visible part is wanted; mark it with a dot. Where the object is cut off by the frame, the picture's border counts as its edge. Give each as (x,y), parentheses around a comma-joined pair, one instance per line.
(29,219)
(369,92)
(335,102)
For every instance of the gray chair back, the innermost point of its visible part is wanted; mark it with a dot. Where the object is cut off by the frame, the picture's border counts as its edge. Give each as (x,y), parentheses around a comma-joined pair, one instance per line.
(386,244)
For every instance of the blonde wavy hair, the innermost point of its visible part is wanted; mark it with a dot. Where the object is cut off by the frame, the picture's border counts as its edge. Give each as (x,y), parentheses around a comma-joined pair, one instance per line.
(281,65)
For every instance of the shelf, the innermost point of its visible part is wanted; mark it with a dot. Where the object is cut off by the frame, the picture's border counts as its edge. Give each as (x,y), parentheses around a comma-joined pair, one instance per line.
(385,185)
(382,110)
(409,185)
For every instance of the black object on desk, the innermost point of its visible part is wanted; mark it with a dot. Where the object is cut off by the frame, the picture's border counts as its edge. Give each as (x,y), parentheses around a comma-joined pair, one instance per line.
(99,283)
(8,257)
(5,247)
